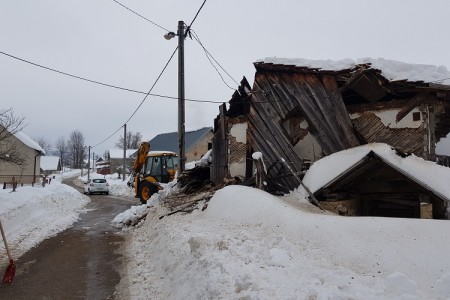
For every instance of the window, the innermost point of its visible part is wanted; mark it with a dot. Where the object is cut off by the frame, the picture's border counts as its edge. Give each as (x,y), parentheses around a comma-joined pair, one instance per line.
(98,180)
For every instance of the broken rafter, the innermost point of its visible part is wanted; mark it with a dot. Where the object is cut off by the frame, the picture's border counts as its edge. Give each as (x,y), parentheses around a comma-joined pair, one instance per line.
(414,102)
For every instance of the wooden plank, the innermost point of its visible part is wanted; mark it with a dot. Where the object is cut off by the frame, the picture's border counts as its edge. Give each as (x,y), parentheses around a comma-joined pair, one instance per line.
(414,102)
(342,115)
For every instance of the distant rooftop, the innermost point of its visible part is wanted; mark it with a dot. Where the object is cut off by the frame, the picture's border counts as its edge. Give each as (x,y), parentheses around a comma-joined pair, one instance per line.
(169,141)
(118,153)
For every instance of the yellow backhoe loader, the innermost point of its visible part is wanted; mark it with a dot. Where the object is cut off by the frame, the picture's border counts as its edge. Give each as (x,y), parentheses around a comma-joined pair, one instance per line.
(152,168)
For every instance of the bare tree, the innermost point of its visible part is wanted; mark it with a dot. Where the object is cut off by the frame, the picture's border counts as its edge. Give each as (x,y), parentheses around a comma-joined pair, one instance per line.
(44,143)
(76,149)
(9,126)
(61,146)
(133,140)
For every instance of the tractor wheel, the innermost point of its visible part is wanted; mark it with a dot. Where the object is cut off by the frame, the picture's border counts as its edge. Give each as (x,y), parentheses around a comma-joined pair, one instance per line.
(146,190)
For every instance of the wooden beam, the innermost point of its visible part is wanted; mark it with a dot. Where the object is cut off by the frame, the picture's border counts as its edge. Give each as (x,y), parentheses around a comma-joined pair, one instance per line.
(414,102)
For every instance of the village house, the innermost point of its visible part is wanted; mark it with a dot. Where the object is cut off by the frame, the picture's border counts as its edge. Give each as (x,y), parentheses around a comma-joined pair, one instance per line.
(196,143)
(115,157)
(299,111)
(50,165)
(28,172)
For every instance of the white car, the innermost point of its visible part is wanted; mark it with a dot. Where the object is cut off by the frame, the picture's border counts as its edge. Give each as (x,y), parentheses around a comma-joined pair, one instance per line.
(96,185)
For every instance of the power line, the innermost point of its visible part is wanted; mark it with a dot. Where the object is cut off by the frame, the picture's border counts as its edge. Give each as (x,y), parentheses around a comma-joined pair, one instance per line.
(101,83)
(141,16)
(192,22)
(157,79)
(143,100)
(208,55)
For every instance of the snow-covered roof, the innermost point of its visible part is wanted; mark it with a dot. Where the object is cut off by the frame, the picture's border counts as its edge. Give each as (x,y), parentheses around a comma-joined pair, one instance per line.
(118,153)
(428,174)
(49,163)
(28,141)
(391,69)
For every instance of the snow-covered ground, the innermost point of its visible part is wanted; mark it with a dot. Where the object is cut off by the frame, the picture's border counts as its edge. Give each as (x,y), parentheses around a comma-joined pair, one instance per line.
(249,244)
(31,214)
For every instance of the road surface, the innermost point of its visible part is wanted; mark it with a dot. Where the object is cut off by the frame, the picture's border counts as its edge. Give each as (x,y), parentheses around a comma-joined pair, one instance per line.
(79,263)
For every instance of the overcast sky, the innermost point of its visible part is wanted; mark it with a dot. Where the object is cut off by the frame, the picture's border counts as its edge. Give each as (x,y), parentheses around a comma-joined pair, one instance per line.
(102,41)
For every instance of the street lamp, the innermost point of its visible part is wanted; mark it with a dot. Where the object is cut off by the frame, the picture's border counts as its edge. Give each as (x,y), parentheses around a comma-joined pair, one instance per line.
(181,115)
(170,35)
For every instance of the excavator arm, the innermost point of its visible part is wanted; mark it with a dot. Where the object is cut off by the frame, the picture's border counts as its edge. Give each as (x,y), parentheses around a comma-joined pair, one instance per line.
(140,157)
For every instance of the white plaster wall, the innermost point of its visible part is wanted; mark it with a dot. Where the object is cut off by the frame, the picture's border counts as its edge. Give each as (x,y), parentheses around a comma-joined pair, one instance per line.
(387,117)
(239,133)
(308,148)
(237,169)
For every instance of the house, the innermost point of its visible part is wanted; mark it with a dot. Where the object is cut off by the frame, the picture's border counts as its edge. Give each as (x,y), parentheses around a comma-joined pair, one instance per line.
(196,143)
(50,165)
(230,145)
(27,172)
(377,180)
(115,157)
(299,111)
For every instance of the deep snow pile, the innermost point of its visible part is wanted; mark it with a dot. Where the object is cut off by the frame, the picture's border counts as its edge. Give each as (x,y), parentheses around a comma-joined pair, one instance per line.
(32,214)
(251,245)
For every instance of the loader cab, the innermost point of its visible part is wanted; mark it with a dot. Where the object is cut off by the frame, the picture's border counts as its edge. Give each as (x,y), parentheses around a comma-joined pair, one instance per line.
(162,166)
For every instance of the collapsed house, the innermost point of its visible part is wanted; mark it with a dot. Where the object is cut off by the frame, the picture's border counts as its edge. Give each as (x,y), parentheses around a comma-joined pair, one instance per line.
(299,111)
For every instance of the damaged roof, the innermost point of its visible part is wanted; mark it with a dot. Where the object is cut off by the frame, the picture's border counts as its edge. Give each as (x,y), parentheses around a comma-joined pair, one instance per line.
(428,174)
(369,81)
(391,69)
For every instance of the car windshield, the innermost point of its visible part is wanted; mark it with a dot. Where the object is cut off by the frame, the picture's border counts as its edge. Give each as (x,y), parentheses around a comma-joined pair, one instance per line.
(98,180)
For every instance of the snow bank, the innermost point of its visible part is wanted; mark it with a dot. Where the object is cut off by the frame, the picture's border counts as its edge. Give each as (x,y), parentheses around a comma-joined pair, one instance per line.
(32,214)
(251,245)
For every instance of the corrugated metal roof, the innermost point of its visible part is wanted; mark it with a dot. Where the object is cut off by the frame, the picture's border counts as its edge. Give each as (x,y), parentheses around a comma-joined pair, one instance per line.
(169,141)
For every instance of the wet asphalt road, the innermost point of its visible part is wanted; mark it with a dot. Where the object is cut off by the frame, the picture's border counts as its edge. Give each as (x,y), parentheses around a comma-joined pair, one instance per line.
(79,263)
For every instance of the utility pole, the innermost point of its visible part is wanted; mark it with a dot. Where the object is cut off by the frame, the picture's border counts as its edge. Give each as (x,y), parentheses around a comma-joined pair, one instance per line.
(89,160)
(181,118)
(124,150)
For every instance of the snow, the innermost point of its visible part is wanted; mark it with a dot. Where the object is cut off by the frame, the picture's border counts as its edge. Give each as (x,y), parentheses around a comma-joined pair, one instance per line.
(28,141)
(251,245)
(391,69)
(49,163)
(248,244)
(257,155)
(31,214)
(426,173)
(118,153)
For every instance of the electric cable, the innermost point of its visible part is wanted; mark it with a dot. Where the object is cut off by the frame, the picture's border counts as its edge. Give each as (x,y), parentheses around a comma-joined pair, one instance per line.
(196,15)
(143,100)
(101,83)
(156,81)
(209,56)
(134,12)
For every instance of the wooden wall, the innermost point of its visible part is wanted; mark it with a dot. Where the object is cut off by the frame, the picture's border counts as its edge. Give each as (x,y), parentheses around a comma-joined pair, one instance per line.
(277,97)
